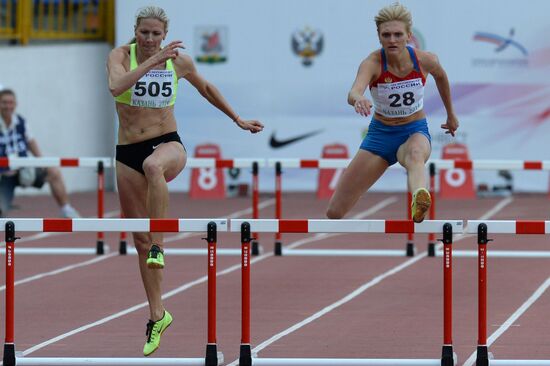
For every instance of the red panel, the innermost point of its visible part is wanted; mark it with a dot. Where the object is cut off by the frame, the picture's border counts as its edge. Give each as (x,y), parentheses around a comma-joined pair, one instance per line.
(293,226)
(207,182)
(164,226)
(328,178)
(532,165)
(399,226)
(529,227)
(309,163)
(457,182)
(224,163)
(463,164)
(58,225)
(69,162)
(4,162)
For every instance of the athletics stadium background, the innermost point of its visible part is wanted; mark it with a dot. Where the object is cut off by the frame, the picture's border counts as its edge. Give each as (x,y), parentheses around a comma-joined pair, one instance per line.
(495,54)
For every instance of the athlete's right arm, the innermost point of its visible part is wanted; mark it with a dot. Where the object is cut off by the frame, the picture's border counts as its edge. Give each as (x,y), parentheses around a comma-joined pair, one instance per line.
(365,74)
(121,79)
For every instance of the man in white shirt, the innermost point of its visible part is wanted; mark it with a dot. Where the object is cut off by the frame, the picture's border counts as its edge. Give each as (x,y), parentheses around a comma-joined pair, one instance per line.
(15,140)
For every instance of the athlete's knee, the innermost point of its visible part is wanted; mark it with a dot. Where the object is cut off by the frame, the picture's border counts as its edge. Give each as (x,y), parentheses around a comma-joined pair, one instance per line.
(152,168)
(334,214)
(416,155)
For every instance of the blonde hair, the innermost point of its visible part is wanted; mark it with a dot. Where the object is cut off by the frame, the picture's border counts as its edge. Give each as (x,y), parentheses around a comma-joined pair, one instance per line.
(153,12)
(396,11)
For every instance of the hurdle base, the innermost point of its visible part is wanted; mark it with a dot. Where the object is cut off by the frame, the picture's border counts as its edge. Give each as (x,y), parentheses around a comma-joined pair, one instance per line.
(255,248)
(448,356)
(344,361)
(211,358)
(431,249)
(278,248)
(245,356)
(410,250)
(107,361)
(123,248)
(9,354)
(100,247)
(482,358)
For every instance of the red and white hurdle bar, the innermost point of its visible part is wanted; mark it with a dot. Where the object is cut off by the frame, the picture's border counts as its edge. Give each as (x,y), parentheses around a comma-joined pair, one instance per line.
(210,226)
(246,227)
(251,163)
(541,165)
(432,164)
(483,229)
(91,162)
(481,164)
(279,164)
(101,163)
(518,227)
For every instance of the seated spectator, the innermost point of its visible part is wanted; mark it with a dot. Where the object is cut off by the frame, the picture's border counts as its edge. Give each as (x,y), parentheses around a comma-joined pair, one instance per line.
(16,141)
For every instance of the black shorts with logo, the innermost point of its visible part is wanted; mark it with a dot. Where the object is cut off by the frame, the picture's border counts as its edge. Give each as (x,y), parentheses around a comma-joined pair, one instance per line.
(133,155)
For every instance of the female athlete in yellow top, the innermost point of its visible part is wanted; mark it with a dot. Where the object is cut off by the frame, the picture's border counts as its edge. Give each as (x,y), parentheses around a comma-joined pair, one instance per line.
(143,78)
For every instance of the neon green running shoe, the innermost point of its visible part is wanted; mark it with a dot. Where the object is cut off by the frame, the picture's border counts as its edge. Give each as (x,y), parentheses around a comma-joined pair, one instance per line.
(154,331)
(155,257)
(421,202)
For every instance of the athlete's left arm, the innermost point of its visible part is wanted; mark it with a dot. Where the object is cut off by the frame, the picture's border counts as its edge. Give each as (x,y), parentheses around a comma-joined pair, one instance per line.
(186,68)
(430,63)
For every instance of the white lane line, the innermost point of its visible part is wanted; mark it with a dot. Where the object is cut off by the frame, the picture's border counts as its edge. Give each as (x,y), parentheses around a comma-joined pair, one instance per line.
(129,310)
(510,321)
(319,236)
(234,215)
(116,213)
(39,236)
(103,257)
(499,206)
(165,296)
(338,303)
(61,270)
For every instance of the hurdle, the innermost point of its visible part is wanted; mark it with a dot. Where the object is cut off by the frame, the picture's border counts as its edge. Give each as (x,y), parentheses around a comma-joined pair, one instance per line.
(210,226)
(445,227)
(212,163)
(329,163)
(47,162)
(482,229)
(486,164)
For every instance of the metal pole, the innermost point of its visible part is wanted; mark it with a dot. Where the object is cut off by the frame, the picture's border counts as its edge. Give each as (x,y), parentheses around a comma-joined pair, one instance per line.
(245,357)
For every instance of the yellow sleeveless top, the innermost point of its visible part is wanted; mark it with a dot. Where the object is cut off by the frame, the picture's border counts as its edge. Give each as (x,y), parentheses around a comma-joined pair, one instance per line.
(155,89)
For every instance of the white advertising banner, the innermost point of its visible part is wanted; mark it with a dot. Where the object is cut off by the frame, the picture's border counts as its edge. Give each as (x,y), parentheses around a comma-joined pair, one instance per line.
(290,64)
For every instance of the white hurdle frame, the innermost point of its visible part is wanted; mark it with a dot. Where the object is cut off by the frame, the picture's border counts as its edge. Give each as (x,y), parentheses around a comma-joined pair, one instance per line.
(433,165)
(483,228)
(63,162)
(254,164)
(131,361)
(329,163)
(343,361)
(210,226)
(446,227)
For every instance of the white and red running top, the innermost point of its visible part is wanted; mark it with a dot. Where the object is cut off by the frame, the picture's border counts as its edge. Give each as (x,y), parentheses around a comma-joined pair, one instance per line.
(394,96)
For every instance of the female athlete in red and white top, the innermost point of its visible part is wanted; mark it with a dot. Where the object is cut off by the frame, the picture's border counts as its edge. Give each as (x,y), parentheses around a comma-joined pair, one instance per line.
(398,131)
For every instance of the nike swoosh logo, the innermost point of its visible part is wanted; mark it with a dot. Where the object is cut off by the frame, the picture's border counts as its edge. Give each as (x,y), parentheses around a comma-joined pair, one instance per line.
(277,144)
(155,146)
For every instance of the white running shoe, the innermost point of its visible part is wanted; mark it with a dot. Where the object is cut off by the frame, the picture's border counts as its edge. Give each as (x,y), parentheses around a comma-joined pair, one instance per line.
(69,212)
